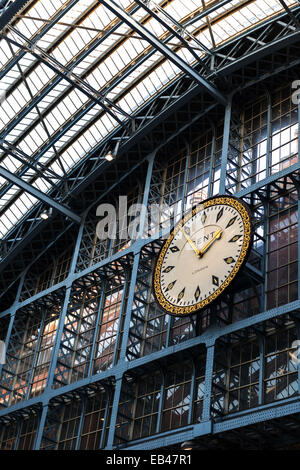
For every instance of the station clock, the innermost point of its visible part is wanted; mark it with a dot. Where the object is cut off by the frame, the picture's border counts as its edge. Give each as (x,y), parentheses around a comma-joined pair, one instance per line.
(202,256)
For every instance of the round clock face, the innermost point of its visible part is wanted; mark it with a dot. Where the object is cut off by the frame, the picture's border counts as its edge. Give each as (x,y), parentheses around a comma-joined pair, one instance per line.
(202,255)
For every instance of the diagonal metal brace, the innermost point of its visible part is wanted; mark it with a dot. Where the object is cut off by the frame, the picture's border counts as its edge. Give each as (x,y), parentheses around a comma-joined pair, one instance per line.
(165,50)
(38,194)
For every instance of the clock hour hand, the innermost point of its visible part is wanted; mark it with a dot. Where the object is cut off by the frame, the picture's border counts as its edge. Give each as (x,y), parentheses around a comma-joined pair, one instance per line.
(206,247)
(192,244)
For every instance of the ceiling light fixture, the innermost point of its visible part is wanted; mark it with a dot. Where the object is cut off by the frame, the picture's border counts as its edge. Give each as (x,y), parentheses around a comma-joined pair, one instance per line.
(188,445)
(45,214)
(109,156)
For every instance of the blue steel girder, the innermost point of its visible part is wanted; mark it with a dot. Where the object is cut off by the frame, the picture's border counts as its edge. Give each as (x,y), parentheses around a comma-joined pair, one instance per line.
(165,50)
(195,430)
(26,239)
(290,39)
(225,71)
(178,33)
(10,11)
(67,75)
(15,179)
(81,56)
(48,89)
(39,34)
(44,172)
(21,115)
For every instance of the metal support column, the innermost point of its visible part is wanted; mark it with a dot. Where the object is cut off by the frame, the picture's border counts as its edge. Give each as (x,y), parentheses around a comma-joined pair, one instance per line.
(35,354)
(106,418)
(58,337)
(136,261)
(261,371)
(269,130)
(192,393)
(97,327)
(161,401)
(114,414)
(77,248)
(225,146)
(208,382)
(40,429)
(7,339)
(211,163)
(81,420)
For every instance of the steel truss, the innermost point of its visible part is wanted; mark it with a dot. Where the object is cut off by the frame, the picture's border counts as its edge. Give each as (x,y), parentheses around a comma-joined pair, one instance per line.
(265,41)
(64,386)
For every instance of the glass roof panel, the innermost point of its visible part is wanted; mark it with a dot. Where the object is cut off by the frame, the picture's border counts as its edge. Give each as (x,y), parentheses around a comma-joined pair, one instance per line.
(51,104)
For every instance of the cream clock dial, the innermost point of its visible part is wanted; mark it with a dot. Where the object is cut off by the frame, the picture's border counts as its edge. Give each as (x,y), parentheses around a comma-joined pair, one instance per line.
(202,255)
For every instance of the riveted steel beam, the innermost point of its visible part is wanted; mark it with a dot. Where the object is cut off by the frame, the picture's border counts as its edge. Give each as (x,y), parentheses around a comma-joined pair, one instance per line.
(165,50)
(38,194)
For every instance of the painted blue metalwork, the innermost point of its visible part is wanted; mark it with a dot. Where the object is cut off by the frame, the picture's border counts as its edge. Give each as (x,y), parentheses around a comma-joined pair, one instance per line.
(261,370)
(225,146)
(129,306)
(60,13)
(58,336)
(269,114)
(212,160)
(16,443)
(114,414)
(208,338)
(208,381)
(8,334)
(192,393)
(253,56)
(122,307)
(38,194)
(81,421)
(283,408)
(106,416)
(97,323)
(166,51)
(296,352)
(161,400)
(39,434)
(35,355)
(8,14)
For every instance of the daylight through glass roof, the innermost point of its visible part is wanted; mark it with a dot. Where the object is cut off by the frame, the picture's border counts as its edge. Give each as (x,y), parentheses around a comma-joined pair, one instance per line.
(71,72)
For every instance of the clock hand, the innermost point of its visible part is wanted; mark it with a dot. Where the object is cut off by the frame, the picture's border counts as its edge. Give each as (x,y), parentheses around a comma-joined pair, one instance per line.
(191,243)
(216,236)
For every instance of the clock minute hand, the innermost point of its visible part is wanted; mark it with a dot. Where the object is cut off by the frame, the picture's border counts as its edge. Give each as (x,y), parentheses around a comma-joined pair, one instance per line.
(191,243)
(216,236)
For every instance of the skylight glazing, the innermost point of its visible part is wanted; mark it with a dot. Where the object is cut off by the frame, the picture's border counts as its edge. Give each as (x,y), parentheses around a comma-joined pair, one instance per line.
(43,115)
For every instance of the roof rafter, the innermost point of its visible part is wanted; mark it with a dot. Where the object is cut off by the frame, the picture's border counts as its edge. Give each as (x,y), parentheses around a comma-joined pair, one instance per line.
(46,173)
(38,194)
(68,75)
(165,50)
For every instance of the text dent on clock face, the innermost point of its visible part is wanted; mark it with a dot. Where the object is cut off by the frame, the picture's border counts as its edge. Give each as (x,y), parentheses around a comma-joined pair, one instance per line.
(202,255)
